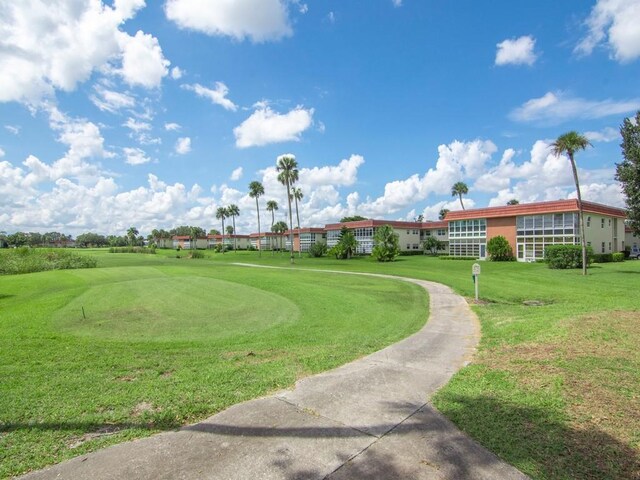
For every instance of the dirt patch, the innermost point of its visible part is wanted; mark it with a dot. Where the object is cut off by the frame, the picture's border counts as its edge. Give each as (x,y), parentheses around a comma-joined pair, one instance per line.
(104,431)
(142,408)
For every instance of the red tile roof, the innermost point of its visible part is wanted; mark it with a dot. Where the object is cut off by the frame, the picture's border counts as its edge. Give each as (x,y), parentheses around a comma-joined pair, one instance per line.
(372,223)
(219,237)
(538,208)
(439,224)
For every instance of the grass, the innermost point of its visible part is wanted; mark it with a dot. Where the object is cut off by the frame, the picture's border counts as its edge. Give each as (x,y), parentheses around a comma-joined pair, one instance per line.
(554,388)
(166,341)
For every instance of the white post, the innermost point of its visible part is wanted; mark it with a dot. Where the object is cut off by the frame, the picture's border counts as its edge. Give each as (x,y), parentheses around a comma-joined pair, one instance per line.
(475,271)
(476,282)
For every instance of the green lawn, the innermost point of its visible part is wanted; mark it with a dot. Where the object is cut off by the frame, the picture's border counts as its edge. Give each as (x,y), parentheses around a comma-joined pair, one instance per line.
(554,388)
(166,341)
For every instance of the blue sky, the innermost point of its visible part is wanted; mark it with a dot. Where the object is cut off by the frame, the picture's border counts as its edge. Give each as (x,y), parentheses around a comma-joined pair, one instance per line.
(123,113)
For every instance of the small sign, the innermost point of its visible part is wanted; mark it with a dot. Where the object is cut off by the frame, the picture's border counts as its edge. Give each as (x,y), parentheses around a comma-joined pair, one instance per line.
(475,270)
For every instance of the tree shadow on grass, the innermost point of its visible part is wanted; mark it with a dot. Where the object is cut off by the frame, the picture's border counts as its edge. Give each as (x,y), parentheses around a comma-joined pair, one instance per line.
(551,448)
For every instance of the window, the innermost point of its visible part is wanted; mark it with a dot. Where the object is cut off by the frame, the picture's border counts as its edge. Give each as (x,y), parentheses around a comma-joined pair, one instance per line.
(588,221)
(603,246)
(609,246)
(609,222)
(408,247)
(602,223)
(416,246)
(588,244)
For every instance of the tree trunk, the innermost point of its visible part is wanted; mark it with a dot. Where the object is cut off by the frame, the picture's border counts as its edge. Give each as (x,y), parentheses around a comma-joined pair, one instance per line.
(259,243)
(235,235)
(290,219)
(583,239)
(298,218)
(223,249)
(460,197)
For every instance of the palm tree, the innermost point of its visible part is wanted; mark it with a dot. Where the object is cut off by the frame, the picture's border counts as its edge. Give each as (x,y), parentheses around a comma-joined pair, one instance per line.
(279,228)
(272,206)
(234,212)
(459,189)
(443,213)
(221,214)
(298,195)
(229,230)
(132,233)
(255,191)
(513,201)
(569,143)
(288,168)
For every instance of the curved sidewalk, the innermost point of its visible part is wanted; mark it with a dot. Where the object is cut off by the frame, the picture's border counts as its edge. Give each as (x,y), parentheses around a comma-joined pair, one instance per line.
(369,419)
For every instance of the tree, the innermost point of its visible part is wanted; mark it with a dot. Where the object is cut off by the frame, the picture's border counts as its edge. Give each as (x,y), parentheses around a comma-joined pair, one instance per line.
(355,218)
(214,231)
(432,245)
(256,190)
(288,168)
(628,171)
(459,189)
(443,213)
(279,228)
(234,212)
(499,249)
(569,143)
(229,230)
(272,206)
(91,240)
(132,233)
(298,195)
(221,214)
(386,244)
(513,201)
(420,218)
(346,246)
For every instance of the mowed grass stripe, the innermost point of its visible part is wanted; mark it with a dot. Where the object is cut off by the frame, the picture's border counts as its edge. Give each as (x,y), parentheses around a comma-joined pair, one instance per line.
(69,386)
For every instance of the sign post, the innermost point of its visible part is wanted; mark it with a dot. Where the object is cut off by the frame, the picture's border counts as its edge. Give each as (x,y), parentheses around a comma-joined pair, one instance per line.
(475,272)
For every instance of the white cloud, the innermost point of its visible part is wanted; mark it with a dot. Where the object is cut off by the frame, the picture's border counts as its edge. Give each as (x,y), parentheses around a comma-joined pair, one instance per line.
(83,137)
(81,37)
(607,134)
(177,73)
(615,23)
(183,146)
(236,174)
(217,96)
(258,20)
(456,161)
(171,127)
(136,126)
(559,107)
(135,156)
(110,101)
(265,126)
(13,129)
(517,51)
(343,174)
(142,60)
(1,153)
(397,3)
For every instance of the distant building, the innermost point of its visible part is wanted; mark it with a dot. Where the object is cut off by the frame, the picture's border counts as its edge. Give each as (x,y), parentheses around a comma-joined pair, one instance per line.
(241,242)
(530,227)
(184,242)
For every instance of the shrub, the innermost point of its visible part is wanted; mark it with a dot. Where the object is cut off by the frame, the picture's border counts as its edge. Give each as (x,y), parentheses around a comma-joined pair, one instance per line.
(618,257)
(411,253)
(627,252)
(196,254)
(566,256)
(432,245)
(149,250)
(387,246)
(499,249)
(27,260)
(318,249)
(602,257)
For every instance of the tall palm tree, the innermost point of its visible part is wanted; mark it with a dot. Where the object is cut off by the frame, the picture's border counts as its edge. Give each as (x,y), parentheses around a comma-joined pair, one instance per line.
(443,213)
(459,189)
(298,195)
(288,168)
(234,212)
(569,143)
(256,190)
(272,206)
(221,214)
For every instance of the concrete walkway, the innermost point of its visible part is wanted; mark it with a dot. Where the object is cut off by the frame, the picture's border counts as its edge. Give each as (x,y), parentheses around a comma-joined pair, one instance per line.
(369,419)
